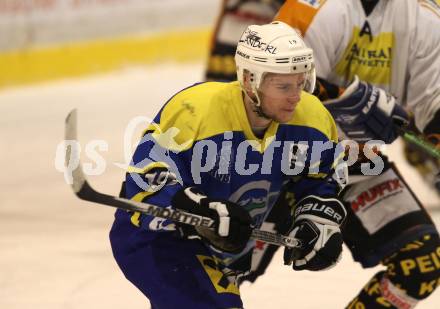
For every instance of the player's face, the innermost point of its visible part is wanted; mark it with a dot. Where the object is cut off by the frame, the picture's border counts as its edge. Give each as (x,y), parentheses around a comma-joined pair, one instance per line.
(280,93)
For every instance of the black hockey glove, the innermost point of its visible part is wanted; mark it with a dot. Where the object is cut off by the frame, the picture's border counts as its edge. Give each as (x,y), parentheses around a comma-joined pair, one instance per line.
(317,225)
(233,222)
(364,112)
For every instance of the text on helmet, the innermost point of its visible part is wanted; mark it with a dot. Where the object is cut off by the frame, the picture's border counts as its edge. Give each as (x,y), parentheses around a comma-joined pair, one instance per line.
(252,39)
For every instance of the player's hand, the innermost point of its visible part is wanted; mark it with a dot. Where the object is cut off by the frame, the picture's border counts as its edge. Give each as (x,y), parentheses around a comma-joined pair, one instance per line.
(365,112)
(317,225)
(233,222)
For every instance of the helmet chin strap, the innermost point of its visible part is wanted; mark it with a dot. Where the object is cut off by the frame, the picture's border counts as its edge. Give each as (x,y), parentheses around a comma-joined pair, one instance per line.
(257,104)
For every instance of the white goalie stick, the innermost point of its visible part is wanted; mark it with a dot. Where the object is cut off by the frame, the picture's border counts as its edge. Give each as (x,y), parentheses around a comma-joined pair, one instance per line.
(84,191)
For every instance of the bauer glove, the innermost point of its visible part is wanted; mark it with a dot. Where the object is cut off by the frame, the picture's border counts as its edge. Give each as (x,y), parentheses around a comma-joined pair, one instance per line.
(316,223)
(232,222)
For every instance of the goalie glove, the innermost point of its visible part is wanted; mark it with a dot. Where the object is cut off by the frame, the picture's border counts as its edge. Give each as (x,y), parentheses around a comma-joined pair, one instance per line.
(316,223)
(364,112)
(233,222)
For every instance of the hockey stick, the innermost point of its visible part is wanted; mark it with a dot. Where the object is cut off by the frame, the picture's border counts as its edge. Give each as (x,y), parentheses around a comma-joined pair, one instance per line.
(419,141)
(84,191)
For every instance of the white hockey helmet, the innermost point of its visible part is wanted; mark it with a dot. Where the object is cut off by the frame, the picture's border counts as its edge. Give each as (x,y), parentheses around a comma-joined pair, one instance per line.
(273,48)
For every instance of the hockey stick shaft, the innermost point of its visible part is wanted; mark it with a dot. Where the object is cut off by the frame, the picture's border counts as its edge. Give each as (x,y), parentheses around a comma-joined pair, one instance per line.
(419,141)
(84,191)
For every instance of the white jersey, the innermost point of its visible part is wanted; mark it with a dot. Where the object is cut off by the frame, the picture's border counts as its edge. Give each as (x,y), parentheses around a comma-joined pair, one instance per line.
(395,47)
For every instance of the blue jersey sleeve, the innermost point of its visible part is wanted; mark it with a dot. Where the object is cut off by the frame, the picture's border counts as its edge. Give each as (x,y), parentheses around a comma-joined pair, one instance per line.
(159,168)
(326,174)
(151,179)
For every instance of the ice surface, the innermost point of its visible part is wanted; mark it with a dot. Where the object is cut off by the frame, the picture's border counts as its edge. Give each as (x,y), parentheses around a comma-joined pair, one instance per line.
(54,248)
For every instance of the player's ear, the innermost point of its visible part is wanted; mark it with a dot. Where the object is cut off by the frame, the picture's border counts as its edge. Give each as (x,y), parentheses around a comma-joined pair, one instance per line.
(247,82)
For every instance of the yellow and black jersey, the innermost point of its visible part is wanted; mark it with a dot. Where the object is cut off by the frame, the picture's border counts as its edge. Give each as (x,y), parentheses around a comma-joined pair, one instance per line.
(202,138)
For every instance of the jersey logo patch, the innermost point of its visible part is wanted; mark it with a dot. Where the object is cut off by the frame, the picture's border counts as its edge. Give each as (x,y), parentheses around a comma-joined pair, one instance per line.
(368,56)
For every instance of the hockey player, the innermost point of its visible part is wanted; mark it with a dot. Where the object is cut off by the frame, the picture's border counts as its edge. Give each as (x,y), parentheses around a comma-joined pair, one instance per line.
(223,150)
(234,17)
(394,45)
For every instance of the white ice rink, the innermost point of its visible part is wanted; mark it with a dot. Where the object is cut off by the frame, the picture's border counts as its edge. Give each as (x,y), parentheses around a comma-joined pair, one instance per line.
(54,248)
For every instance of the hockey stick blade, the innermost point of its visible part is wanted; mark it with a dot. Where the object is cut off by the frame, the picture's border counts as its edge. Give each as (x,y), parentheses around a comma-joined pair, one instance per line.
(84,191)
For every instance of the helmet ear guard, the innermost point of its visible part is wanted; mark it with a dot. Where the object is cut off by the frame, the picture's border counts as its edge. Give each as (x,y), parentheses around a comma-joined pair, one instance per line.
(311,80)
(273,48)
